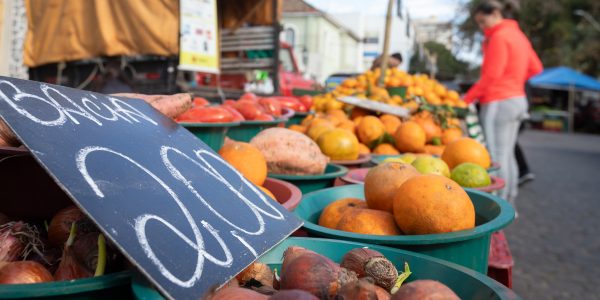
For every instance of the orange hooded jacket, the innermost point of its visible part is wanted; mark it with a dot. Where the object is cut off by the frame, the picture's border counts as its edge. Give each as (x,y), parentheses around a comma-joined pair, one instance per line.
(508,62)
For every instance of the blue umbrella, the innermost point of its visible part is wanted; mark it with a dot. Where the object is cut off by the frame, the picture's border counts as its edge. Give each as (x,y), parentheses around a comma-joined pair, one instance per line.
(564,78)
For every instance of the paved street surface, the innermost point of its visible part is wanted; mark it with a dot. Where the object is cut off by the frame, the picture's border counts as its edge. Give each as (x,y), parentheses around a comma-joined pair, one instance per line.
(555,242)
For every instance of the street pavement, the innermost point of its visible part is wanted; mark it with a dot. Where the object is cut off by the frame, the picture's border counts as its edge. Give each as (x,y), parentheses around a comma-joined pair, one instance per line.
(555,242)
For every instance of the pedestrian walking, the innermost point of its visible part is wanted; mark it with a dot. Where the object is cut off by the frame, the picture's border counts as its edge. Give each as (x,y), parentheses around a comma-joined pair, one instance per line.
(508,62)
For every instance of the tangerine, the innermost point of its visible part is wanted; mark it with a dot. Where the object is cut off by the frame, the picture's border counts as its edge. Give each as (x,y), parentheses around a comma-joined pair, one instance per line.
(391,123)
(339,144)
(369,129)
(432,204)
(466,150)
(385,149)
(331,215)
(451,134)
(410,137)
(383,181)
(368,221)
(247,159)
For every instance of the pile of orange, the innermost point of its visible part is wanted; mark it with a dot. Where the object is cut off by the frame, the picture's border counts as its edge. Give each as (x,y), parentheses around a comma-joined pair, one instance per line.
(399,200)
(384,135)
(365,86)
(247,160)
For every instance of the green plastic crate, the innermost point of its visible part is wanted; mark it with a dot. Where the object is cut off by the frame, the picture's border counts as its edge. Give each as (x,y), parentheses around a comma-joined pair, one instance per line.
(469,248)
(249,129)
(466,283)
(311,183)
(111,286)
(212,134)
(397,91)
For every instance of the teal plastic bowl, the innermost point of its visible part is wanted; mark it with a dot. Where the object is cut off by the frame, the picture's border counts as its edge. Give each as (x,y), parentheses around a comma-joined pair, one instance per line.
(469,248)
(311,183)
(111,286)
(466,283)
(297,118)
(212,134)
(249,129)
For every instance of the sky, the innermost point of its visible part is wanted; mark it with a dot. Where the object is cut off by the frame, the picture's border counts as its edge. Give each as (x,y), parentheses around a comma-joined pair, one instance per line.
(418,9)
(444,10)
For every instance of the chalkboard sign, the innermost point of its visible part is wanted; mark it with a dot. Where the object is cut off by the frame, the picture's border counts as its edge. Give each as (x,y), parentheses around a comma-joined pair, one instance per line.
(182,215)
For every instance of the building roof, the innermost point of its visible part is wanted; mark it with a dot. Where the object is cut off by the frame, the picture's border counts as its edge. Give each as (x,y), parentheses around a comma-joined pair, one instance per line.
(300,7)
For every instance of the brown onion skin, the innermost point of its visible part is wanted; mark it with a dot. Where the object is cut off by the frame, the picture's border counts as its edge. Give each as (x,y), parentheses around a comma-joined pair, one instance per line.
(424,290)
(291,253)
(23,272)
(370,263)
(293,295)
(237,293)
(60,225)
(315,274)
(70,267)
(358,290)
(11,247)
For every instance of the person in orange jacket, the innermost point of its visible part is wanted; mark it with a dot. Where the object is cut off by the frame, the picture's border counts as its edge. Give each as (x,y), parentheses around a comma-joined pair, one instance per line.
(508,62)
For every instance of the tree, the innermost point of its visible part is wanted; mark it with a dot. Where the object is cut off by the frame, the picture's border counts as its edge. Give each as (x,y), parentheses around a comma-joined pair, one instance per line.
(558,35)
(448,66)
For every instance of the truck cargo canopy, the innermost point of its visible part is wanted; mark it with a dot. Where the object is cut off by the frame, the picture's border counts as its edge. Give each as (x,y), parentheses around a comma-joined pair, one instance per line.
(73,30)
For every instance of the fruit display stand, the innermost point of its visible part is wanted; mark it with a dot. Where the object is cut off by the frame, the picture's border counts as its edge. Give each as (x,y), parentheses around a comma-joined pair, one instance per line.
(311,183)
(469,248)
(285,193)
(466,283)
(297,118)
(212,134)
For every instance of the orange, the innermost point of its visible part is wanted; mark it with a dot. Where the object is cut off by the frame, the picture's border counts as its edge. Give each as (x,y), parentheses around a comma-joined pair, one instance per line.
(391,123)
(453,95)
(331,215)
(299,128)
(466,150)
(363,149)
(432,204)
(316,130)
(383,181)
(431,127)
(451,134)
(385,149)
(368,221)
(434,150)
(410,137)
(358,112)
(266,191)
(307,121)
(339,144)
(247,159)
(337,113)
(347,125)
(370,129)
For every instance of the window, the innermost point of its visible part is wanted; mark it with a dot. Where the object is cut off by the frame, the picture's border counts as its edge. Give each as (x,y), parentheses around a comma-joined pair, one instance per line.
(285,58)
(371,40)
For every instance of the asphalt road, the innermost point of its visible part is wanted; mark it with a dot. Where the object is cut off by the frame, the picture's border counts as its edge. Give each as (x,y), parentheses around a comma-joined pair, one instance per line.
(555,242)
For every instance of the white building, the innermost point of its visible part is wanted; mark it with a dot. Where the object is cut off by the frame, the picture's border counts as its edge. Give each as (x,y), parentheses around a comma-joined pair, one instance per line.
(432,29)
(324,44)
(371,29)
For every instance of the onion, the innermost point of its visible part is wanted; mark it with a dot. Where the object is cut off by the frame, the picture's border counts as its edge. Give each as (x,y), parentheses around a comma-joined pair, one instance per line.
(60,225)
(315,274)
(258,272)
(70,267)
(21,272)
(236,293)
(4,219)
(18,240)
(370,263)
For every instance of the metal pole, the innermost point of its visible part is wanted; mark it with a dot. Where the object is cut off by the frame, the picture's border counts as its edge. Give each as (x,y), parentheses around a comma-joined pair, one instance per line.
(386,42)
(571,108)
(276,31)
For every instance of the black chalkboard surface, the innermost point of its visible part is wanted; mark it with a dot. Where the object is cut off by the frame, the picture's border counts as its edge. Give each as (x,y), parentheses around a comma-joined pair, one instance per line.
(181,214)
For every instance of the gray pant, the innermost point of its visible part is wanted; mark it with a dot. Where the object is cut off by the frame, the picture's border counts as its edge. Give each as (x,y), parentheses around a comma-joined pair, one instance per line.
(501,121)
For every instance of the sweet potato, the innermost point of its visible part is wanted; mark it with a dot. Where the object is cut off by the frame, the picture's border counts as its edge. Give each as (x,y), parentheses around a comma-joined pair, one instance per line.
(170,105)
(290,152)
